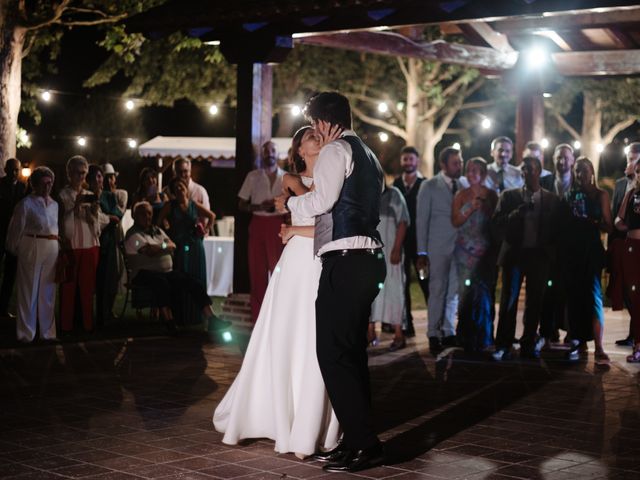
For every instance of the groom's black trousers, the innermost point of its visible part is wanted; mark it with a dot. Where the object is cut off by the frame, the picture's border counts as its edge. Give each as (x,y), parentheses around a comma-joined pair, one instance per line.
(348,286)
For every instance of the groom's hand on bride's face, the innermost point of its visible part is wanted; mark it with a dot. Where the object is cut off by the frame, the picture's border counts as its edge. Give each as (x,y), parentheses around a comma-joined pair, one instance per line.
(328,132)
(280,203)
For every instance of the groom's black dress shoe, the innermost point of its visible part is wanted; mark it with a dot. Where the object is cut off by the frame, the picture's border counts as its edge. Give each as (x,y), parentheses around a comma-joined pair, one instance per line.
(330,455)
(357,460)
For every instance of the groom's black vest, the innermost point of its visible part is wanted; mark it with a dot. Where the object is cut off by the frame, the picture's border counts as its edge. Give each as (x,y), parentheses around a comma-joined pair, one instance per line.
(357,211)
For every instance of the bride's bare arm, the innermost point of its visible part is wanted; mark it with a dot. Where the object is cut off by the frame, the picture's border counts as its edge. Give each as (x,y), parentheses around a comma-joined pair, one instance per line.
(288,231)
(293,182)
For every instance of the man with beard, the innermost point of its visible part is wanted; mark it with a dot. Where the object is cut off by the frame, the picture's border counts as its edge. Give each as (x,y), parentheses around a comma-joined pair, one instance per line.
(436,238)
(256,196)
(409,184)
(616,238)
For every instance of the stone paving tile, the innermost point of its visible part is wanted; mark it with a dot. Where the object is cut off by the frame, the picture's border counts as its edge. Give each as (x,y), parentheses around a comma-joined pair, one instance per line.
(150,417)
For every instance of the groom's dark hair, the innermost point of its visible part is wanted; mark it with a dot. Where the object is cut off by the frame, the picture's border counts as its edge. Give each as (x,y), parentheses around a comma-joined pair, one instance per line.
(332,107)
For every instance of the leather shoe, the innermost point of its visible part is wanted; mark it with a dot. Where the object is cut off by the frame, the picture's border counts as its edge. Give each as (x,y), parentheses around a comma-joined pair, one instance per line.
(625,342)
(357,460)
(449,341)
(330,455)
(435,346)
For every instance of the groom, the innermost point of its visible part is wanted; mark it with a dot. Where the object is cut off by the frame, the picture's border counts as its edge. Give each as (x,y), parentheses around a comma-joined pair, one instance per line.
(346,201)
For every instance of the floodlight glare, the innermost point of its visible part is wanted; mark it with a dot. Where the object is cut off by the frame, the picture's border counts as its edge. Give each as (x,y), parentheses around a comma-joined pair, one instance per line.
(383,136)
(296,110)
(536,57)
(544,143)
(577,145)
(486,123)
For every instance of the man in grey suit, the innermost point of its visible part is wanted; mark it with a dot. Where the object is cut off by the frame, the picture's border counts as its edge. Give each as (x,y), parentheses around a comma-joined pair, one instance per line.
(436,237)
(616,238)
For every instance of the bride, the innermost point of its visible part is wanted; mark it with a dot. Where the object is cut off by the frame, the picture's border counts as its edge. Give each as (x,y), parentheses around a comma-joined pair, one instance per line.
(279,392)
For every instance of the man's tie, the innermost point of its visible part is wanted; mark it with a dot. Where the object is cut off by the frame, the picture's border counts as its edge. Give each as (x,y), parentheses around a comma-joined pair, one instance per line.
(501,179)
(454,186)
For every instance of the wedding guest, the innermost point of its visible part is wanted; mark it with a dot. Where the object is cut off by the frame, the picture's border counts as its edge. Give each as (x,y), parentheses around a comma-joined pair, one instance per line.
(182,216)
(256,196)
(80,221)
(628,220)
(389,305)
(584,255)
(149,191)
(534,149)
(33,238)
(526,221)
(436,237)
(107,274)
(501,174)
(409,183)
(471,214)
(149,250)
(12,190)
(615,242)
(197,193)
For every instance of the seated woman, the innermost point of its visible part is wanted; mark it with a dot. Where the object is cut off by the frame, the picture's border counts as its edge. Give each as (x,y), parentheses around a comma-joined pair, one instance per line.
(628,220)
(471,212)
(150,250)
(585,258)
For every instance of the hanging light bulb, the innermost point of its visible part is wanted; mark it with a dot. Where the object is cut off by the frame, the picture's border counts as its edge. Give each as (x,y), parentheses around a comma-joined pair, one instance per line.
(486,123)
(82,141)
(383,107)
(132,142)
(296,110)
(577,145)
(213,109)
(384,136)
(544,143)
(129,105)
(46,96)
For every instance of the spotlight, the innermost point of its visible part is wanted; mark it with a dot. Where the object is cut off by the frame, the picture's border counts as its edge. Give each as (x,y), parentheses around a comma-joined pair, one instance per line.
(213,109)
(600,148)
(132,143)
(486,123)
(82,141)
(536,57)
(383,107)
(383,136)
(296,110)
(129,105)
(577,145)
(46,96)
(544,143)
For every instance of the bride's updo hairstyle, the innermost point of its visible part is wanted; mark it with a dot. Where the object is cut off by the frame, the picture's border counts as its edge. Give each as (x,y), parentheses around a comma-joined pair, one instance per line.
(295,159)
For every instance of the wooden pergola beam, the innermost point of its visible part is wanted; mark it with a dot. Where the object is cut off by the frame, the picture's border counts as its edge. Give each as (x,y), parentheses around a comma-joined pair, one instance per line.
(597,63)
(391,43)
(484,32)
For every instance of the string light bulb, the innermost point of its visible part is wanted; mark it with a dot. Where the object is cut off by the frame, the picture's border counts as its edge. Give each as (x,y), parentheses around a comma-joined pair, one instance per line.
(132,142)
(384,136)
(296,110)
(544,143)
(46,96)
(129,105)
(486,123)
(82,141)
(600,148)
(383,107)
(25,172)
(213,109)
(577,145)
(456,145)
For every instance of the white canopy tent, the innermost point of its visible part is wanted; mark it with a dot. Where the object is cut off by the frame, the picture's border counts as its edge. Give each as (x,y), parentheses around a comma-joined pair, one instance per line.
(218,151)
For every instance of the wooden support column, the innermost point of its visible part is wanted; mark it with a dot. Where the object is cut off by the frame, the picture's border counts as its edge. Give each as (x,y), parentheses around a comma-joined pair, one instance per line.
(529,121)
(253,128)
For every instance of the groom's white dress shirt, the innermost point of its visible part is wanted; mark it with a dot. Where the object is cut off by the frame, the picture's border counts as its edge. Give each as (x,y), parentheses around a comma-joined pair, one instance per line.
(334,164)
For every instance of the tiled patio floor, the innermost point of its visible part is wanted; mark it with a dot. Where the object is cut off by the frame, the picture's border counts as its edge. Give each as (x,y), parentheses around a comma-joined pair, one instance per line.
(142,408)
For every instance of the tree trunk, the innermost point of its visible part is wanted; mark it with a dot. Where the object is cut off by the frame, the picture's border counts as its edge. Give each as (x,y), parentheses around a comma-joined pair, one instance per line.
(426,144)
(591,134)
(11,45)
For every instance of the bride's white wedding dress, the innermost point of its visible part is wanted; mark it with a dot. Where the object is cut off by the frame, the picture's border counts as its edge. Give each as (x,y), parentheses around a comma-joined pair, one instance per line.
(279,392)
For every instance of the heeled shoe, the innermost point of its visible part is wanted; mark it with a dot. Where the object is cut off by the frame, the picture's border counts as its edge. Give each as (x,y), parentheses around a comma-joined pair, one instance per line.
(634,357)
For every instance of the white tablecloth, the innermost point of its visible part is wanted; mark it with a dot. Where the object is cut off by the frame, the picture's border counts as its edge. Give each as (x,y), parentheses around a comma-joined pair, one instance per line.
(219,254)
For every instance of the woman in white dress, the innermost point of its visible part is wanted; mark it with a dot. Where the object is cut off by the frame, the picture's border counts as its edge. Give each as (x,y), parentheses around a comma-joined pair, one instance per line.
(279,392)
